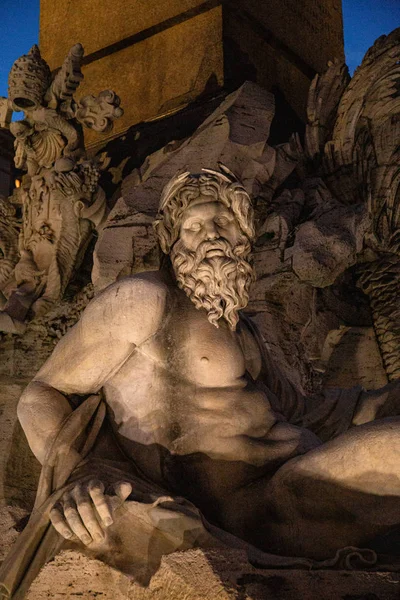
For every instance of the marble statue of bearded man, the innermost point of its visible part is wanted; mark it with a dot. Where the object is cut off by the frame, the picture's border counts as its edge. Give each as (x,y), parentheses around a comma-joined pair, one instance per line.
(198,410)
(215,274)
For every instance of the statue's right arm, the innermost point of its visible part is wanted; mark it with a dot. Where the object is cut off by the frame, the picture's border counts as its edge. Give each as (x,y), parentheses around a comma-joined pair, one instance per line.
(122,317)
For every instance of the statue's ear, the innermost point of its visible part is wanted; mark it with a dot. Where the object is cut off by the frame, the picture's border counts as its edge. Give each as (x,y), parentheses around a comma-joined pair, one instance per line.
(163,235)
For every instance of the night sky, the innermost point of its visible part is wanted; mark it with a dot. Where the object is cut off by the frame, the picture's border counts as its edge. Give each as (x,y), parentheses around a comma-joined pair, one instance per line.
(364,21)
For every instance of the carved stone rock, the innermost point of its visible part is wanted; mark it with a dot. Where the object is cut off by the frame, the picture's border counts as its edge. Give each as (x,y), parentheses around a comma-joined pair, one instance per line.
(5,112)
(235,134)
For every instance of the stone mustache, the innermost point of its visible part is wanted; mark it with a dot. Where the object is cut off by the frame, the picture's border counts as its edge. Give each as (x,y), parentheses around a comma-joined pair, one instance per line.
(60,197)
(198,410)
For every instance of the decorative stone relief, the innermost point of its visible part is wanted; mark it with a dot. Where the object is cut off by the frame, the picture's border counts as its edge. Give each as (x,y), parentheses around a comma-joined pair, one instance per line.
(5,112)
(61,200)
(10,227)
(219,421)
(352,142)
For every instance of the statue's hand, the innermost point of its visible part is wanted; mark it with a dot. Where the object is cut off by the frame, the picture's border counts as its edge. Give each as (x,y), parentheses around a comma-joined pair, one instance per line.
(85,511)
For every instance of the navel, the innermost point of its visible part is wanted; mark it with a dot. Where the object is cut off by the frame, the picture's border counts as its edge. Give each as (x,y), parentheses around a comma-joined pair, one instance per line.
(204,359)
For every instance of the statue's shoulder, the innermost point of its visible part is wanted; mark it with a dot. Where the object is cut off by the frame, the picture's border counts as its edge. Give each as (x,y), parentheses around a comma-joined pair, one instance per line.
(143,293)
(148,286)
(132,308)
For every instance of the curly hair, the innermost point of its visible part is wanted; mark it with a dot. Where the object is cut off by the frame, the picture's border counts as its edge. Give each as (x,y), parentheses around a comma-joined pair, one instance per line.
(186,187)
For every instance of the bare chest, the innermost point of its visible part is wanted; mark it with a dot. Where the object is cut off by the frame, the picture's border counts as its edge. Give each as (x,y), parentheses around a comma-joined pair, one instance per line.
(202,354)
(189,366)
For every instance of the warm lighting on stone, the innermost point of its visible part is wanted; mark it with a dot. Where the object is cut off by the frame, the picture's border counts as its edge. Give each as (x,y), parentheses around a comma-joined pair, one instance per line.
(224,416)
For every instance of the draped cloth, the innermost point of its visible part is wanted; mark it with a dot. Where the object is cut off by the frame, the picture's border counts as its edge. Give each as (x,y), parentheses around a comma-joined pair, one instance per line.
(151,522)
(327,414)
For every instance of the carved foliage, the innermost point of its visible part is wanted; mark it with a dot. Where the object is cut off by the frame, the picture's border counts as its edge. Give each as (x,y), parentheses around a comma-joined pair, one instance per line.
(99,113)
(9,231)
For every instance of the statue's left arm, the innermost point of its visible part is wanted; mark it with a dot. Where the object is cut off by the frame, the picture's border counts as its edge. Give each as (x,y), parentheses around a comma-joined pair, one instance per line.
(333,411)
(378,404)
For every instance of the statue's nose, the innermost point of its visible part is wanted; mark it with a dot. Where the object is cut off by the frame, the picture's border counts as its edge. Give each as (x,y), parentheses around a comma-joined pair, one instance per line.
(211,231)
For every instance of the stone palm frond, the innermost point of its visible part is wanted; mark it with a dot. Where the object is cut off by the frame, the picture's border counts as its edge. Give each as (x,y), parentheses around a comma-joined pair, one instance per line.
(63,263)
(384,183)
(67,80)
(370,98)
(324,95)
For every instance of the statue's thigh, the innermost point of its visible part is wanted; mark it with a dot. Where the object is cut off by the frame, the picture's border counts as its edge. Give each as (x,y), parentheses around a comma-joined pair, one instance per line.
(355,477)
(342,493)
(364,459)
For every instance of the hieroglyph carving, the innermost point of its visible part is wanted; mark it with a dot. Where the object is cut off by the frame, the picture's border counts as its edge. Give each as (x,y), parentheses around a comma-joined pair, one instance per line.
(352,141)
(61,198)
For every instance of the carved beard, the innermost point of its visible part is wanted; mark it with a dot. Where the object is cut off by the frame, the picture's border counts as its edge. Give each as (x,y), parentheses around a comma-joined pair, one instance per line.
(219,284)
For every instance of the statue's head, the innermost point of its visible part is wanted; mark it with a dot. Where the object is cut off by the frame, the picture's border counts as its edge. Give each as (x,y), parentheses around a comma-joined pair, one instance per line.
(21,129)
(205,223)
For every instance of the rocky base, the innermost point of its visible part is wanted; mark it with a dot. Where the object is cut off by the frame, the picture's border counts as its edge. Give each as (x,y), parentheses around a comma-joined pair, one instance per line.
(211,575)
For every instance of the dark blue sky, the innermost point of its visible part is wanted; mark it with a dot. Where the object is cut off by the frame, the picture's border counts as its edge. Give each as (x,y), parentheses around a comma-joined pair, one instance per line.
(364,21)
(19,30)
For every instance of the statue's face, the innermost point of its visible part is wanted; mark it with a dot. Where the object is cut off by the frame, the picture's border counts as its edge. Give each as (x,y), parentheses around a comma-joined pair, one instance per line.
(18,130)
(210,260)
(206,219)
(21,129)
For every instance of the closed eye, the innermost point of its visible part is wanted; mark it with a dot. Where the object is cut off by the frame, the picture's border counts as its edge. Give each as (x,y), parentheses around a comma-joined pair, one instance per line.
(194,226)
(222,221)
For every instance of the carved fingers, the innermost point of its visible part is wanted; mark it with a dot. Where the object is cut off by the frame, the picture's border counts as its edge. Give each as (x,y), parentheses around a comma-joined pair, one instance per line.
(96,492)
(85,511)
(123,490)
